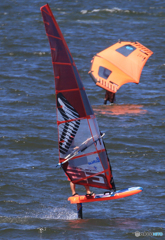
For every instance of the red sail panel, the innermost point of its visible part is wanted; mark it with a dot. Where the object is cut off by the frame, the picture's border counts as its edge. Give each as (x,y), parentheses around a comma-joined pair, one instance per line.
(77,126)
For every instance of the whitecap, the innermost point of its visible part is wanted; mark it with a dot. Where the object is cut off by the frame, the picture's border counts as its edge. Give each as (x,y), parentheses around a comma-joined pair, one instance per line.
(84,11)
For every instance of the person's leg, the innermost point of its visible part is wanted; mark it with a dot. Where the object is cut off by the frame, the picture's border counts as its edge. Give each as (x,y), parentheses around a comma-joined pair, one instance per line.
(106,97)
(88,191)
(73,188)
(112,98)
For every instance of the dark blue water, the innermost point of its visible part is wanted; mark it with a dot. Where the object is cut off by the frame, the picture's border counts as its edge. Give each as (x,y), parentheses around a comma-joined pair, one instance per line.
(33,194)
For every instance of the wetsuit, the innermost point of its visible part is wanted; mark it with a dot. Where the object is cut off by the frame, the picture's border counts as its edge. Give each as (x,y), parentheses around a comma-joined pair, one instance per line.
(109,96)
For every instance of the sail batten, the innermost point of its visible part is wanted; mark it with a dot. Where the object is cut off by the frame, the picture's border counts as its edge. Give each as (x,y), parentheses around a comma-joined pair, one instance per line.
(48,35)
(69,90)
(60,63)
(81,148)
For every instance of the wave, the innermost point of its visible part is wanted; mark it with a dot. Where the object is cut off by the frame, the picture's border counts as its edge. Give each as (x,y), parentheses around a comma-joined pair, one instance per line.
(151,11)
(111,10)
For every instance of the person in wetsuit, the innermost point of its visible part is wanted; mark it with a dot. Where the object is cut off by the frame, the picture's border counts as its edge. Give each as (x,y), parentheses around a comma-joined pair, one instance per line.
(72,185)
(109,96)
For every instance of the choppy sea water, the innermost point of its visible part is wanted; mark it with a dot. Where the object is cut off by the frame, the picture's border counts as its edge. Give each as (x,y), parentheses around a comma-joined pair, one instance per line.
(33,194)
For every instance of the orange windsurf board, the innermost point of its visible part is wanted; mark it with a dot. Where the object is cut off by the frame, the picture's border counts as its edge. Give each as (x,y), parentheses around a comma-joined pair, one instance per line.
(107,196)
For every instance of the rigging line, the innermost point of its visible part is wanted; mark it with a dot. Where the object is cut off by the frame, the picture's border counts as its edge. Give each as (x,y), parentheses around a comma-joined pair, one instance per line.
(79,150)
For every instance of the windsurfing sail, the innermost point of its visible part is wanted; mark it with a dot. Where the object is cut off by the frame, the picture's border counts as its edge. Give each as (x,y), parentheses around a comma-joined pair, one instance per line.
(119,64)
(77,150)
(80,141)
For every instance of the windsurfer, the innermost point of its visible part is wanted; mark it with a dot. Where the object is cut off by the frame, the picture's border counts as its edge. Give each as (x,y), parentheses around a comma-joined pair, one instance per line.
(73,186)
(109,96)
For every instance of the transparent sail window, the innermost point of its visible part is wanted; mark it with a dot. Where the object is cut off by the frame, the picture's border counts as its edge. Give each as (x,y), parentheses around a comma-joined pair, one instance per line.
(126,50)
(104,72)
